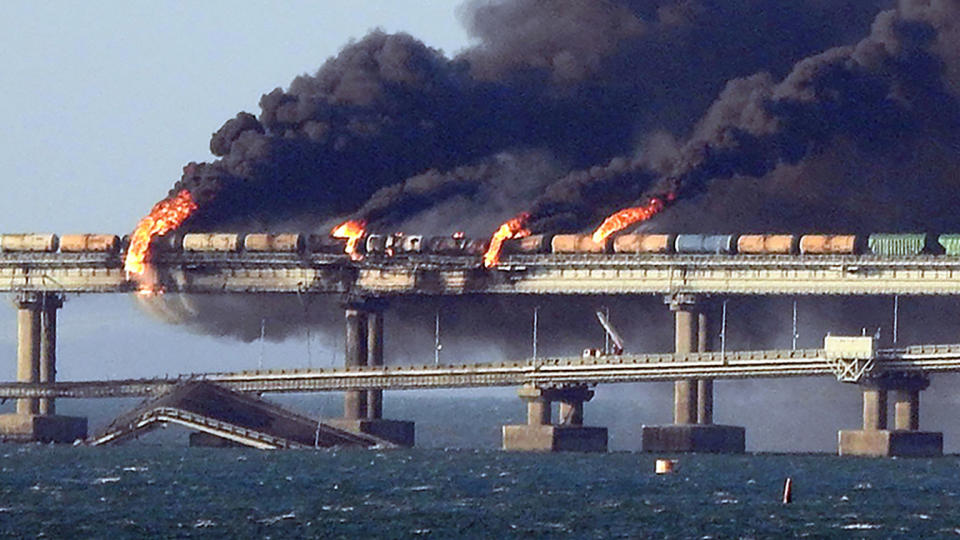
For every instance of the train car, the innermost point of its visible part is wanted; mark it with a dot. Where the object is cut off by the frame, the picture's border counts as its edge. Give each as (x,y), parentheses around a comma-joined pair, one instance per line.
(900,245)
(705,243)
(577,243)
(950,244)
(171,242)
(377,244)
(79,243)
(475,246)
(637,243)
(445,245)
(323,243)
(412,243)
(828,244)
(36,242)
(274,243)
(536,243)
(220,242)
(767,244)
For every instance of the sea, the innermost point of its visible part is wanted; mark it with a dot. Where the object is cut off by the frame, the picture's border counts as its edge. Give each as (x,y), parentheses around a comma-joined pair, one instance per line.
(174,491)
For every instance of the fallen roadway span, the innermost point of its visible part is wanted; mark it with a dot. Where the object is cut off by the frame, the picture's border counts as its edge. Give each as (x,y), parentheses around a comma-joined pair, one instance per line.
(921,359)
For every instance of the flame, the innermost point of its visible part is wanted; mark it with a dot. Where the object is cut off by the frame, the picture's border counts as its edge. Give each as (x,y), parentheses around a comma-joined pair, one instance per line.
(353,231)
(164,217)
(628,216)
(513,228)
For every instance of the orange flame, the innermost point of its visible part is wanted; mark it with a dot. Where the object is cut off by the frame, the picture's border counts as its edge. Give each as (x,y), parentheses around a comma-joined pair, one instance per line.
(353,231)
(628,216)
(164,217)
(513,228)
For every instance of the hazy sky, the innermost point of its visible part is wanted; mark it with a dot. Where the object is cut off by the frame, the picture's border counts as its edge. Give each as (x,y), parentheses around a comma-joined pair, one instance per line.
(104,102)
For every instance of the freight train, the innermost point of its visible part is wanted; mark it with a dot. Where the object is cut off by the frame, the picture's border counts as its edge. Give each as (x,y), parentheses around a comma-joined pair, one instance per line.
(398,245)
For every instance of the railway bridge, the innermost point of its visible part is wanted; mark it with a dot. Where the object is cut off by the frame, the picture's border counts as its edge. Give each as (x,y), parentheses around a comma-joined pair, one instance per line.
(684,281)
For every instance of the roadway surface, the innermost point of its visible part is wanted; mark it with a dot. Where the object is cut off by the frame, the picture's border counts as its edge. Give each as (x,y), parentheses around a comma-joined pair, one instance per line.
(216,273)
(916,360)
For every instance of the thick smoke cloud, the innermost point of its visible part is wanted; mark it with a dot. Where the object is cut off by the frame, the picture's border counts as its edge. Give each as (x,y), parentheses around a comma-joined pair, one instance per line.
(774,115)
(580,82)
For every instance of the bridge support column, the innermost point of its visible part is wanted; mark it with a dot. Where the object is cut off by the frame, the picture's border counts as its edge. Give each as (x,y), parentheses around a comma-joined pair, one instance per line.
(363,409)
(36,363)
(693,429)
(542,435)
(355,401)
(905,439)
(375,359)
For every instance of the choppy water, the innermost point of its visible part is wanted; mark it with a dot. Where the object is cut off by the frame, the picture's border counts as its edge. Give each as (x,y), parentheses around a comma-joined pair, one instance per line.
(144,491)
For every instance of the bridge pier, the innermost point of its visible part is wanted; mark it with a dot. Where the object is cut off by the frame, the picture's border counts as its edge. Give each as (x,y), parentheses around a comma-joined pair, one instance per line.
(906,439)
(36,362)
(540,434)
(363,409)
(693,429)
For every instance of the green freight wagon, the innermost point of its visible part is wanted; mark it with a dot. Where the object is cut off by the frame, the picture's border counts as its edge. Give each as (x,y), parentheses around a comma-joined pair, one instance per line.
(950,243)
(897,245)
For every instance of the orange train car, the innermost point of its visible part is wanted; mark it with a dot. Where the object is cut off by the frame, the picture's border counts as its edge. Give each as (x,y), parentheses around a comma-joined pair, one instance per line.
(29,242)
(764,244)
(78,243)
(828,244)
(222,242)
(643,243)
(275,243)
(577,243)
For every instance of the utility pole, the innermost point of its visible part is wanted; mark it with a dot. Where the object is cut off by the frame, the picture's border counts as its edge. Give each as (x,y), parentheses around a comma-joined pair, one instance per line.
(536,324)
(896,318)
(796,334)
(263,331)
(436,340)
(723,329)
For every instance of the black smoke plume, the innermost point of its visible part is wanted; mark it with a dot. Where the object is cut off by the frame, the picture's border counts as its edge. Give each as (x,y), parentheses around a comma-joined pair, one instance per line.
(574,109)
(582,83)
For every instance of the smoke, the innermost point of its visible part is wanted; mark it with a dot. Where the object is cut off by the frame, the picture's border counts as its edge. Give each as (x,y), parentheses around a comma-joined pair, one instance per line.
(772,115)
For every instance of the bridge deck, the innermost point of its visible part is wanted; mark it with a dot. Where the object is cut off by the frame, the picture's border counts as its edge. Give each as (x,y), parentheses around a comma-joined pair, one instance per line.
(531,274)
(548,371)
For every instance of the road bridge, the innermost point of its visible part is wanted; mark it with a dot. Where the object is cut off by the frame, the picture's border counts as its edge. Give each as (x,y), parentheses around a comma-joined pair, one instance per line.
(685,281)
(917,360)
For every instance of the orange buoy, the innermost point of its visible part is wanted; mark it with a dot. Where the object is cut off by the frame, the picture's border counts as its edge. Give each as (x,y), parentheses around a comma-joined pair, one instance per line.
(664,466)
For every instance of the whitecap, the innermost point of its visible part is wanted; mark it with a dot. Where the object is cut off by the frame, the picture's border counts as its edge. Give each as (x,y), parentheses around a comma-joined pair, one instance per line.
(107,480)
(204,524)
(135,468)
(860,526)
(276,519)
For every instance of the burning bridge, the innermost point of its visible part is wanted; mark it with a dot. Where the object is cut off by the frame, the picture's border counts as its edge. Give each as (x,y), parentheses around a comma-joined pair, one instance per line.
(206,273)
(40,279)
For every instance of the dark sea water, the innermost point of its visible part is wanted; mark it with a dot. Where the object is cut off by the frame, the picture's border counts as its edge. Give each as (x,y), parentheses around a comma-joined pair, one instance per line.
(142,491)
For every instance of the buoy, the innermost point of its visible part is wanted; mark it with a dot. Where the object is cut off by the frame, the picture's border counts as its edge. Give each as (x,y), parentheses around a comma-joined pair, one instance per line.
(664,466)
(788,491)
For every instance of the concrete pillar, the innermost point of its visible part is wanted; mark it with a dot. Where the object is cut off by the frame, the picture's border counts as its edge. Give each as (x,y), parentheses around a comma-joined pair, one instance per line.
(571,413)
(874,409)
(49,304)
(907,410)
(704,386)
(28,347)
(686,339)
(539,412)
(355,401)
(375,358)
